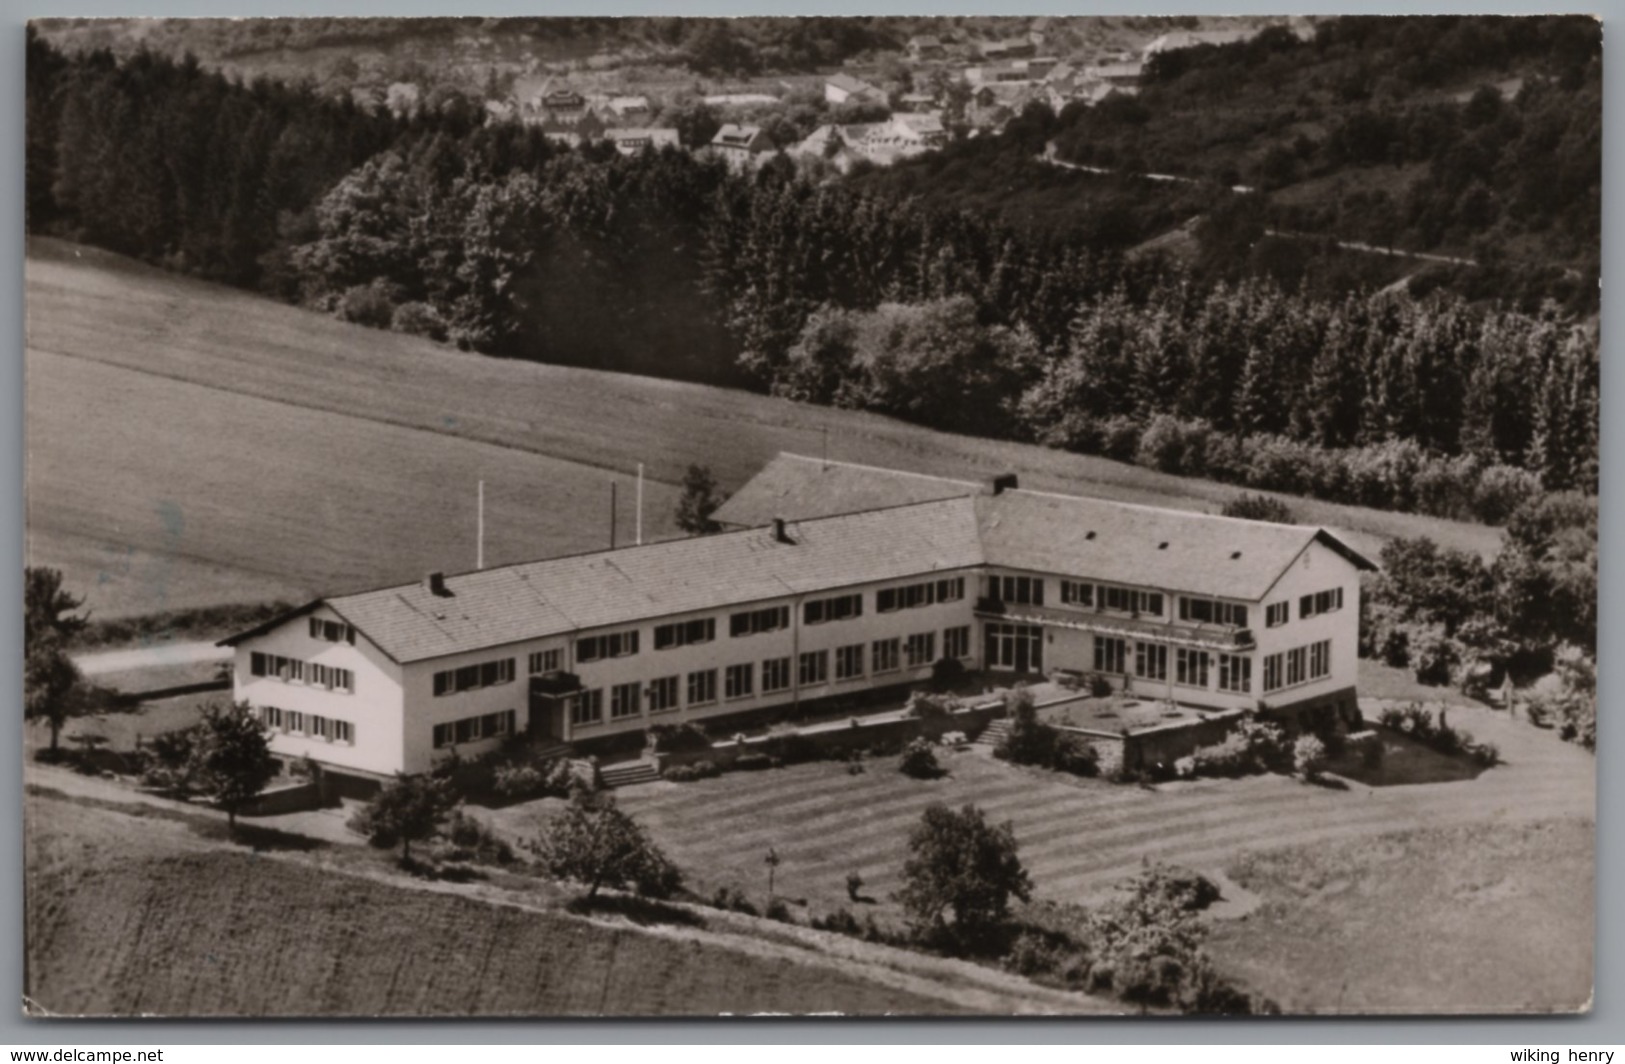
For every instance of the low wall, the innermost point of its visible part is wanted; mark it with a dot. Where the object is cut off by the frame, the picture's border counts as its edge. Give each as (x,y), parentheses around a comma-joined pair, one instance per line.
(296,796)
(1156,749)
(838,737)
(1317,714)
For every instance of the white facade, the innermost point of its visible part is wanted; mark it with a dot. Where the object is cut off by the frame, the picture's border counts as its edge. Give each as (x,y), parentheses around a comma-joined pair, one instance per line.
(371,707)
(1134,634)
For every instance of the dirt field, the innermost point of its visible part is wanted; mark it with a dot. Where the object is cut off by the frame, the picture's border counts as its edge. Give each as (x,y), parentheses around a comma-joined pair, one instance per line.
(192,444)
(135,914)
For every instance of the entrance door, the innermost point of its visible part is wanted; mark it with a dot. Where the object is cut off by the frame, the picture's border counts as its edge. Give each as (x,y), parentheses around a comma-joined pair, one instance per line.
(1015,646)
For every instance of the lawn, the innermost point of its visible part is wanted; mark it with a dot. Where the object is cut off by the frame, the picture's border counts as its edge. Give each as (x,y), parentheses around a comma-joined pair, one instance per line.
(132,914)
(1487,918)
(1079,838)
(192,444)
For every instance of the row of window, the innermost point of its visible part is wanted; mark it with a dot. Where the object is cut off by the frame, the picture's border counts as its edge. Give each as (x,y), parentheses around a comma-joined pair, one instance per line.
(739,681)
(312,725)
(1212,611)
(472,729)
(1298,665)
(1110,597)
(292,670)
(1192,667)
(473,677)
(836,608)
(1029,590)
(1320,602)
(332,631)
(1017,590)
(1329,601)
(913,596)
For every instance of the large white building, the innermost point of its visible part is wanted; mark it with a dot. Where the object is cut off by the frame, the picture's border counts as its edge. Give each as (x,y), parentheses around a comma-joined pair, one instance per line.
(832,579)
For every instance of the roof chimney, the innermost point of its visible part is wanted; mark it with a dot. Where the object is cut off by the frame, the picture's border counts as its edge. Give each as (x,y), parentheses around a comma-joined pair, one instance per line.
(1004,482)
(779,533)
(436,583)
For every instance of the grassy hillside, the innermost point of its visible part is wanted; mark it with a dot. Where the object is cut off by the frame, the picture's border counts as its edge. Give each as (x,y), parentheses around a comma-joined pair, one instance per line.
(130,916)
(189,443)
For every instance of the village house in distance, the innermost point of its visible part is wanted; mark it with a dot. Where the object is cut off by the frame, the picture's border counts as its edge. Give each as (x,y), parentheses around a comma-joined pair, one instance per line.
(829,579)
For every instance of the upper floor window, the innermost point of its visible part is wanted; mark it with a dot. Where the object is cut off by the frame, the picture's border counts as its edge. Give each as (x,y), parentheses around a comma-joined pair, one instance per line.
(331,631)
(1276,614)
(1077,593)
(1128,600)
(1021,590)
(612,645)
(469,677)
(839,608)
(546,661)
(755,622)
(1212,611)
(1320,602)
(685,633)
(912,596)
(292,670)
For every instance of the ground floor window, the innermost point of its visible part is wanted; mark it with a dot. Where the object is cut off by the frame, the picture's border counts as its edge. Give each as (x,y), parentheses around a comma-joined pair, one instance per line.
(311,724)
(625,700)
(814,667)
(702,687)
(849,662)
(588,707)
(1110,654)
(1151,661)
(1235,673)
(1015,646)
(888,655)
(1320,659)
(956,642)
(662,694)
(468,729)
(736,682)
(775,675)
(921,649)
(1297,661)
(1190,667)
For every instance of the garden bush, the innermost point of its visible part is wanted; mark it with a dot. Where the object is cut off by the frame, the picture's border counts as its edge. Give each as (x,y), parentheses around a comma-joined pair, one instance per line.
(1252,748)
(678,738)
(752,762)
(1308,757)
(919,761)
(927,706)
(732,899)
(699,770)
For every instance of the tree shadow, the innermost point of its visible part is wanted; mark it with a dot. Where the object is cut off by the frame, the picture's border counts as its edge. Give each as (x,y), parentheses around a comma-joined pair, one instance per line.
(642,911)
(258,838)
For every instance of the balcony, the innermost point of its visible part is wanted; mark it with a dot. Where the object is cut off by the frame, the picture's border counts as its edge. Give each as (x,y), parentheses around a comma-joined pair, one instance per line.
(989,604)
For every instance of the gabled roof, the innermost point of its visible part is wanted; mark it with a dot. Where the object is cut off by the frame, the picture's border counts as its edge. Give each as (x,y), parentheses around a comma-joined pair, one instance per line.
(495,607)
(793,486)
(1206,554)
(846,525)
(1177,550)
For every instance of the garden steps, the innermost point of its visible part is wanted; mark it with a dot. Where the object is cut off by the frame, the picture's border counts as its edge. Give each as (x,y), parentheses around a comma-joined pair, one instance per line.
(627,773)
(994,734)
